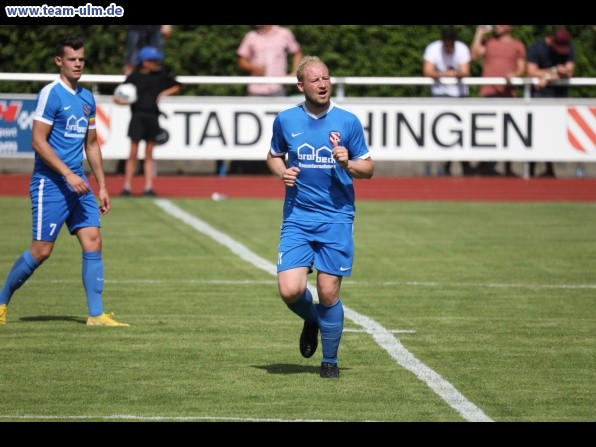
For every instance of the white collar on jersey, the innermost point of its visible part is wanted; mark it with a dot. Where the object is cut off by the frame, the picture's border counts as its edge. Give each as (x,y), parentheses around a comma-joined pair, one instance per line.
(318,115)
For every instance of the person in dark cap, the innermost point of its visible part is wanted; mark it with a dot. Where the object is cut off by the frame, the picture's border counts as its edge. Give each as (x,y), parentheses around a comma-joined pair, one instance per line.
(561,39)
(551,59)
(153,84)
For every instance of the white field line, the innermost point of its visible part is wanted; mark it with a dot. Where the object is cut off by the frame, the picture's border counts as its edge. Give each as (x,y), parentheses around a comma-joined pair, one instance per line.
(382,336)
(377,284)
(132,417)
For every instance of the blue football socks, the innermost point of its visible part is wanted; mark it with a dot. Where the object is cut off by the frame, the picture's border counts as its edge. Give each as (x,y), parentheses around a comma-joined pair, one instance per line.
(304,307)
(331,324)
(21,270)
(93,281)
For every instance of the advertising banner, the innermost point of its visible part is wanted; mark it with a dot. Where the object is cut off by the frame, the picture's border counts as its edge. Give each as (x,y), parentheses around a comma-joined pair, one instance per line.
(16,116)
(414,129)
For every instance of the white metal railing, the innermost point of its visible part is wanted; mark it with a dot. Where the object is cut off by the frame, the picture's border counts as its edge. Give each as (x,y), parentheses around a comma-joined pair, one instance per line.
(339,83)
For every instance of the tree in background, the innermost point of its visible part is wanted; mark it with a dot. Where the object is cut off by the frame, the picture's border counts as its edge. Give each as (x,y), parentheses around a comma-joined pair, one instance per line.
(210,50)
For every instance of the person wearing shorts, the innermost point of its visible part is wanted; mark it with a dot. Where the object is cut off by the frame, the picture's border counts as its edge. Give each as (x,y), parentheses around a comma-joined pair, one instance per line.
(317,149)
(63,132)
(152,83)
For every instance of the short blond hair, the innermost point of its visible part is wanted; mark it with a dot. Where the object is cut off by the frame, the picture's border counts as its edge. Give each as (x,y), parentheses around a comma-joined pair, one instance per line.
(305,62)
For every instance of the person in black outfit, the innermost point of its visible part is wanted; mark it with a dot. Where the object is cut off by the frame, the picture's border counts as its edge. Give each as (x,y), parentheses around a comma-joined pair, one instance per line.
(550,59)
(153,84)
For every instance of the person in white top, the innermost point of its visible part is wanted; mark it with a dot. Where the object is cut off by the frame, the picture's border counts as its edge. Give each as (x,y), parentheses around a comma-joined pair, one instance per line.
(448,58)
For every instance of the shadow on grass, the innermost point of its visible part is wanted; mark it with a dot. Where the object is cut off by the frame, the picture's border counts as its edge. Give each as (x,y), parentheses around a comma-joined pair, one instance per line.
(55,318)
(288,368)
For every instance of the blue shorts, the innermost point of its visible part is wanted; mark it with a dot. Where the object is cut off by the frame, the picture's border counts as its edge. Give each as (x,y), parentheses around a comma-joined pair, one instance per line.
(328,247)
(53,203)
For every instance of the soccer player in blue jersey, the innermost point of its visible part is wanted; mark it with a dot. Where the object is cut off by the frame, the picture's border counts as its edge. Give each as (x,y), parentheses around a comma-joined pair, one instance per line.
(64,126)
(317,149)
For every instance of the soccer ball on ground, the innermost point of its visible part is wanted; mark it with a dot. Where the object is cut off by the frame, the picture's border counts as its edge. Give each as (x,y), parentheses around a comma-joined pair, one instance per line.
(126,92)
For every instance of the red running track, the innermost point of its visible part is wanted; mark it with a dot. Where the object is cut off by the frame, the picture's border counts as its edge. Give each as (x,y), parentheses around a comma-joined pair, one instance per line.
(379,188)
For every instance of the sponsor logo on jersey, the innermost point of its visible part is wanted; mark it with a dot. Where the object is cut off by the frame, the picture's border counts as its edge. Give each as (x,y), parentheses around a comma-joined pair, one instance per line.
(334,137)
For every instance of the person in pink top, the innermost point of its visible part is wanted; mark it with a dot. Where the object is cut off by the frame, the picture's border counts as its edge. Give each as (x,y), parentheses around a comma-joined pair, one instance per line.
(502,56)
(264,51)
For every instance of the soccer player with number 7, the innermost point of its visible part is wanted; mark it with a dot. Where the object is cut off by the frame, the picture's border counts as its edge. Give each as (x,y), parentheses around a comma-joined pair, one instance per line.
(63,131)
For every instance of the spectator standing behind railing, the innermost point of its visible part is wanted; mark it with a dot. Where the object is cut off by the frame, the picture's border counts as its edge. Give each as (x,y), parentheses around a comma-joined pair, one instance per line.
(502,56)
(264,51)
(550,59)
(448,58)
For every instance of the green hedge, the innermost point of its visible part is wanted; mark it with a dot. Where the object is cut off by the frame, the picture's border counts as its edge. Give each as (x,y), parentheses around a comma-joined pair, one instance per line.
(210,50)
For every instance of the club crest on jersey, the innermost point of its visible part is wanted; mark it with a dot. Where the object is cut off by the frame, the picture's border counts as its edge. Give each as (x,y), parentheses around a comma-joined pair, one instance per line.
(86,110)
(334,137)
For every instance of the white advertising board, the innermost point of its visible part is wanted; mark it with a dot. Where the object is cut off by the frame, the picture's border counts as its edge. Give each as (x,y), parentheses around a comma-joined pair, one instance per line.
(414,129)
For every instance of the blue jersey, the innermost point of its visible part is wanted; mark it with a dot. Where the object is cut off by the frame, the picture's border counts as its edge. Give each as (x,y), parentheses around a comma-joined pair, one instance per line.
(324,191)
(70,113)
